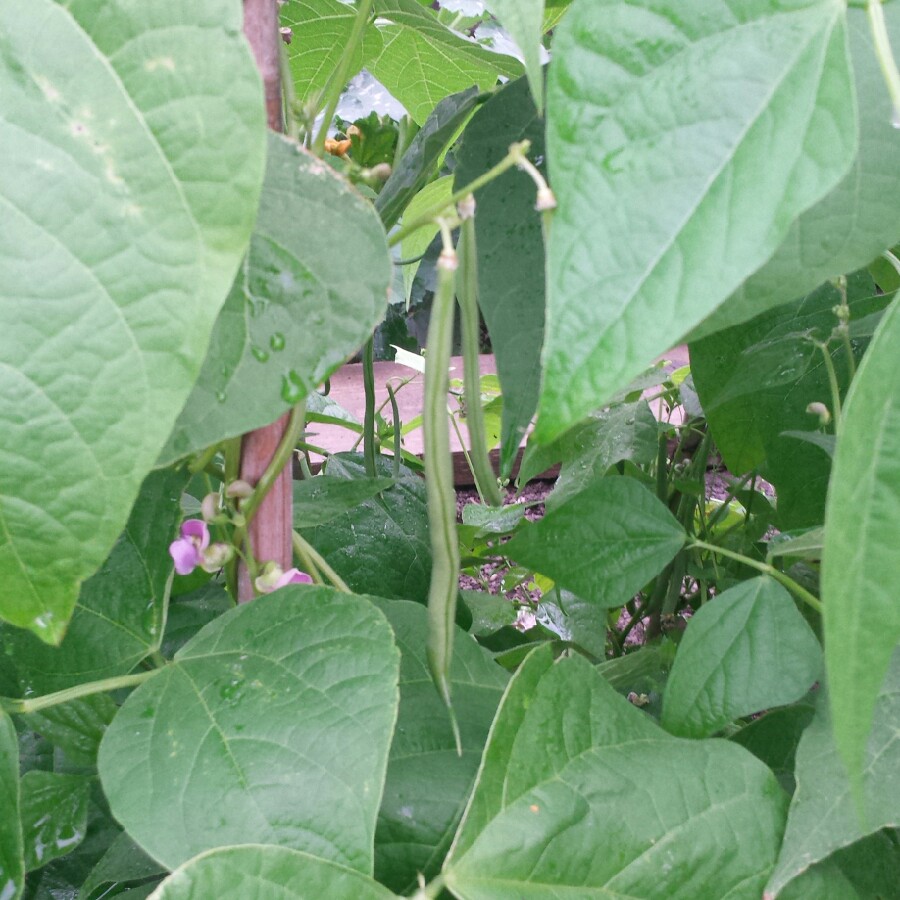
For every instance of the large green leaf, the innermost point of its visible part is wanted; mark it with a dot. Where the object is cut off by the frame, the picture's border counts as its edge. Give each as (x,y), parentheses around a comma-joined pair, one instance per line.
(604,543)
(682,146)
(420,160)
(133,138)
(510,253)
(747,650)
(755,382)
(381,545)
(422,61)
(860,562)
(428,783)
(75,727)
(853,223)
(323,498)
(12,864)
(272,725)
(524,20)
(309,293)
(54,815)
(120,614)
(823,816)
(259,872)
(581,795)
(124,862)
(320,34)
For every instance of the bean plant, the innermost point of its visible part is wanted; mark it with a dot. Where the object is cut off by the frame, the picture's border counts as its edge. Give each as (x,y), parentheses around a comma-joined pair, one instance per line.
(687,685)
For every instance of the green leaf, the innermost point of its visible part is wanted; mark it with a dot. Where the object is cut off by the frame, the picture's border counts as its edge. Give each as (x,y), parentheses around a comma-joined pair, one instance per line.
(436,193)
(134,143)
(190,612)
(855,221)
(682,148)
(12,865)
(625,431)
(885,274)
(320,34)
(123,862)
(121,610)
(524,20)
(510,252)
(823,816)
(257,872)
(427,783)
(755,382)
(75,727)
(422,61)
(419,162)
(387,552)
(272,725)
(773,738)
(604,544)
(54,815)
(308,295)
(553,13)
(574,620)
(747,650)
(860,563)
(322,499)
(699,818)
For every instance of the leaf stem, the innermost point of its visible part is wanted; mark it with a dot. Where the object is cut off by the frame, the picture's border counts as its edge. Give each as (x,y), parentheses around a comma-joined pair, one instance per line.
(339,77)
(306,551)
(833,385)
(35,704)
(513,158)
(797,590)
(369,415)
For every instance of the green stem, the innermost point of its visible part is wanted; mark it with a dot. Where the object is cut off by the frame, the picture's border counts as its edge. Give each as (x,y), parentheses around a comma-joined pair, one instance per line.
(467,295)
(797,590)
(884,55)
(276,466)
(288,96)
(304,549)
(892,260)
(369,417)
(35,704)
(398,437)
(339,77)
(232,449)
(199,463)
(833,384)
(516,153)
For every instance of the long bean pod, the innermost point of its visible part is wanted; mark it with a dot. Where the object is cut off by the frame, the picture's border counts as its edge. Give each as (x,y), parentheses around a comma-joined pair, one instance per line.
(439,485)
(467,294)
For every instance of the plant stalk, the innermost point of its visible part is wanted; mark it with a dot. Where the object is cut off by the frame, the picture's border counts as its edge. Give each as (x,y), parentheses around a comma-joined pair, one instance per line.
(36,704)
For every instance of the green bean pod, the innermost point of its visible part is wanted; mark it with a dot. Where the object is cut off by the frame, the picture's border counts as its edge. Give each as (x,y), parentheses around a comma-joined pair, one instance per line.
(439,486)
(467,294)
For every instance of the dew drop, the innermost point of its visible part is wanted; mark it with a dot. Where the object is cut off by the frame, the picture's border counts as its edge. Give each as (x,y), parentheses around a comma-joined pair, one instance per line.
(221,396)
(291,392)
(276,342)
(895,118)
(259,354)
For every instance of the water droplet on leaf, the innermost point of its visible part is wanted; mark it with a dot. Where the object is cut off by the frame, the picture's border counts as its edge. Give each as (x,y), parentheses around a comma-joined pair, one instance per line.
(276,342)
(259,354)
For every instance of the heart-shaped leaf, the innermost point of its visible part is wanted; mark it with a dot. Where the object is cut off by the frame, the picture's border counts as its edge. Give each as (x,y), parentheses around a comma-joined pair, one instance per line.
(604,543)
(682,147)
(257,872)
(692,818)
(133,139)
(272,725)
(312,287)
(747,650)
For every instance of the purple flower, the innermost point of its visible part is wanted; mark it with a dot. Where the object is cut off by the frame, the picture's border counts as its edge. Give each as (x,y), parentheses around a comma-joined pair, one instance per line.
(187,551)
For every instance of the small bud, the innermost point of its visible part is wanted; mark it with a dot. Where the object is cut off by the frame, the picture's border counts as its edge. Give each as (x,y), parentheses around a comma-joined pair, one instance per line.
(382,171)
(337,148)
(448,260)
(546,200)
(287,34)
(466,207)
(216,556)
(209,508)
(238,489)
(820,410)
(525,620)
(638,699)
